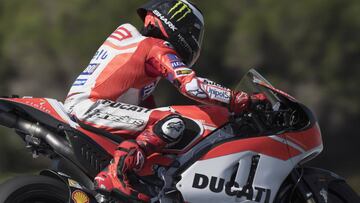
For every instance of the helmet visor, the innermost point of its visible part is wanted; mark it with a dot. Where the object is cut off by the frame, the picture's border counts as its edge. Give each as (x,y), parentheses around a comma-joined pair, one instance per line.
(197,33)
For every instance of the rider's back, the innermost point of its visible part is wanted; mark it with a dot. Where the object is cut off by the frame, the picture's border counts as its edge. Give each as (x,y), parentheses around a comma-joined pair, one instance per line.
(117,70)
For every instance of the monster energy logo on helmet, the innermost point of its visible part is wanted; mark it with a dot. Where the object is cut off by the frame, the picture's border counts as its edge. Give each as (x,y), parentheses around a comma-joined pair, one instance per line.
(183,23)
(179,9)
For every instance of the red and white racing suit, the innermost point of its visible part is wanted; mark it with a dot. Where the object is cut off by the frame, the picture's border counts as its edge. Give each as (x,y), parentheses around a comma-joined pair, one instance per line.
(123,74)
(126,70)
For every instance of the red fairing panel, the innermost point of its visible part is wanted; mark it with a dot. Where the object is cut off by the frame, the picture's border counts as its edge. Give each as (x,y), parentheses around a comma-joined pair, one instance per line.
(39,103)
(209,115)
(307,140)
(44,105)
(262,145)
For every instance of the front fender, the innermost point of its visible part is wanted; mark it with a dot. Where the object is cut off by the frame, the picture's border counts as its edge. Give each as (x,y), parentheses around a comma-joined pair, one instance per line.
(317,180)
(309,183)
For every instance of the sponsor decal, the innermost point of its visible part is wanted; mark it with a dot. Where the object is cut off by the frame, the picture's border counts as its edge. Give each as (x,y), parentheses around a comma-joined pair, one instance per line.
(123,106)
(193,88)
(90,69)
(79,196)
(218,185)
(175,61)
(218,93)
(73,183)
(40,104)
(121,33)
(197,93)
(165,20)
(147,90)
(183,72)
(116,118)
(209,82)
(180,10)
(100,54)
(173,57)
(80,82)
(177,64)
(177,126)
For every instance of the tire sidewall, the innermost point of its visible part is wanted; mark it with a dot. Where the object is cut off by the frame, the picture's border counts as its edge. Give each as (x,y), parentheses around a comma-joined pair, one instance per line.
(25,188)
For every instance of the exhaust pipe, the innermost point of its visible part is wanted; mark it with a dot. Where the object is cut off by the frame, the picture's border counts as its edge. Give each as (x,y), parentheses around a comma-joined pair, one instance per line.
(59,144)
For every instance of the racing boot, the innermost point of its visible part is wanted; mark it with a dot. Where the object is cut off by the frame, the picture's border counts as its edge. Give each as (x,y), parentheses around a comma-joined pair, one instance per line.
(114,181)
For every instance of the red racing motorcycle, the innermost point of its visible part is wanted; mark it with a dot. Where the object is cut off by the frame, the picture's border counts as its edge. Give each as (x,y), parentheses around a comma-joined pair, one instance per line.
(257,156)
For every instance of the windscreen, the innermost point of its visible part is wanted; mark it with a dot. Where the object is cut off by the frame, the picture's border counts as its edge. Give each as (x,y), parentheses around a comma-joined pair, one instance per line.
(253,83)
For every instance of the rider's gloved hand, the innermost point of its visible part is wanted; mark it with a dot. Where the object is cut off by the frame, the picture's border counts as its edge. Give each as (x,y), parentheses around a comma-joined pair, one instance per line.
(257,99)
(240,101)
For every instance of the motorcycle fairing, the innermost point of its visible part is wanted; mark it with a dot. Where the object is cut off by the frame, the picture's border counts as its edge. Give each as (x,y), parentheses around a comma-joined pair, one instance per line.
(92,151)
(233,178)
(46,111)
(283,146)
(226,172)
(51,113)
(209,115)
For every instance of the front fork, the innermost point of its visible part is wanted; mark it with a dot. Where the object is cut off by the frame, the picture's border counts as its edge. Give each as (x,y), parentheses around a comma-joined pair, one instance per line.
(312,183)
(300,186)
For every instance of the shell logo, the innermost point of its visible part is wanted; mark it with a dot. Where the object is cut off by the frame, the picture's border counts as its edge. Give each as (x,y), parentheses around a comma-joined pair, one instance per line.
(80,197)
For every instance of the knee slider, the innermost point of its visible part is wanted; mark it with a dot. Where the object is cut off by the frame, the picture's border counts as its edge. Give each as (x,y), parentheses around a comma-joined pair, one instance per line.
(170,129)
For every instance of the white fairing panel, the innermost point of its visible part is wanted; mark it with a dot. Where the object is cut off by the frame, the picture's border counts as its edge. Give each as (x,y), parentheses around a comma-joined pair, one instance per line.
(208,180)
(60,109)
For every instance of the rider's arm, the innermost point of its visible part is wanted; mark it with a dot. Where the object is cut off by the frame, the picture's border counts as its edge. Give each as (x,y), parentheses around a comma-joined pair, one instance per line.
(163,61)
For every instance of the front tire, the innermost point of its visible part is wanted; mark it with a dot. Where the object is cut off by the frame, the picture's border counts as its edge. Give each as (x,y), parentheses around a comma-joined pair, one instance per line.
(325,187)
(338,192)
(33,189)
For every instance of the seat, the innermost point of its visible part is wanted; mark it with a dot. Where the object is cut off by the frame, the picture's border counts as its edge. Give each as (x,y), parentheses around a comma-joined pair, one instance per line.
(116,138)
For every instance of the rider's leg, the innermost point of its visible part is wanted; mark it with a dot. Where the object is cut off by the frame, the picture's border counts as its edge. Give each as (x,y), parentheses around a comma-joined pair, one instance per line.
(114,117)
(161,128)
(131,154)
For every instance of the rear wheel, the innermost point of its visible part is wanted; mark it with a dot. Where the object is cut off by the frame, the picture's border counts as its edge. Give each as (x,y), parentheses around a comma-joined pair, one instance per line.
(33,189)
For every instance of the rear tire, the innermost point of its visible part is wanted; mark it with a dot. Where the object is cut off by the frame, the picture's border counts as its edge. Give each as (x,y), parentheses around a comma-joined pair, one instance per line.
(33,189)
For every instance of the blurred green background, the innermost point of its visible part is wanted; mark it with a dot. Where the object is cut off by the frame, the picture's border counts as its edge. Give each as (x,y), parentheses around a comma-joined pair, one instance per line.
(309,48)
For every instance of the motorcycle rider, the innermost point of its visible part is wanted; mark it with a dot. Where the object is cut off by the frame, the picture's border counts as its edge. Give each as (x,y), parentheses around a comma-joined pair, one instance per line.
(112,92)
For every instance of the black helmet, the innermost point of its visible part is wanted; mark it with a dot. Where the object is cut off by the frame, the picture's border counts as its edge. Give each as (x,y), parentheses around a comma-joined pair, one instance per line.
(184,24)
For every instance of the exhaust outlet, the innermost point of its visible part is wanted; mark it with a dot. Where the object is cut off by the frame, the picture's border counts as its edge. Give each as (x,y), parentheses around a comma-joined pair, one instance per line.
(8,120)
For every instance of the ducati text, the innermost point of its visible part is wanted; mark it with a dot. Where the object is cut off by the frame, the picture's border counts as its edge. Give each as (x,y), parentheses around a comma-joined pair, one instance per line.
(123,106)
(218,185)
